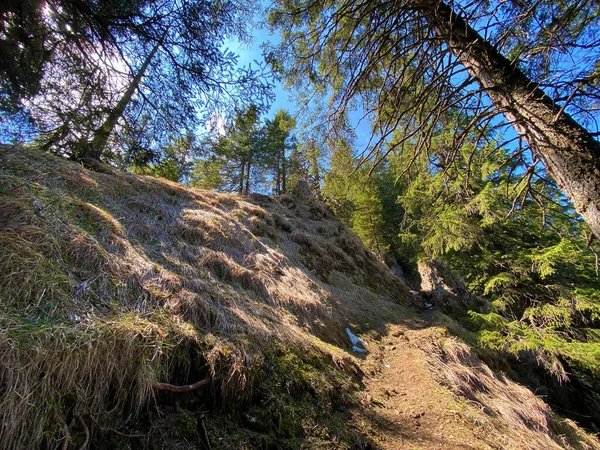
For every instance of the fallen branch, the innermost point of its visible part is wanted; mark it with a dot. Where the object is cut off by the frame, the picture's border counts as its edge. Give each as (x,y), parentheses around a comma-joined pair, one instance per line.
(180,389)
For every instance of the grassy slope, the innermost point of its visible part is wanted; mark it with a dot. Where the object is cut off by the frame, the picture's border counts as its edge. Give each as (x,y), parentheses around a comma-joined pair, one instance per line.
(111,284)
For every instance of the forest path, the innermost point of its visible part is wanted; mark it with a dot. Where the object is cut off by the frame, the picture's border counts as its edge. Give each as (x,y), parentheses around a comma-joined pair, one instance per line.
(404,406)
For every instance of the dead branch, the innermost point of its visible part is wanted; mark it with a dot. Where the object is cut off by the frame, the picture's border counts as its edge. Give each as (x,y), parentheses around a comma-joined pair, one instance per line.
(180,389)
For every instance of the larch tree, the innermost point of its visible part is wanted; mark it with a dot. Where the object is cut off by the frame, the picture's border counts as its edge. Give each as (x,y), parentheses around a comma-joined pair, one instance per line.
(408,64)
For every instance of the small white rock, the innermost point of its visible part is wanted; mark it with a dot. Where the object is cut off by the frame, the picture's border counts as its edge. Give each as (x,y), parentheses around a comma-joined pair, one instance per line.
(355,339)
(358,349)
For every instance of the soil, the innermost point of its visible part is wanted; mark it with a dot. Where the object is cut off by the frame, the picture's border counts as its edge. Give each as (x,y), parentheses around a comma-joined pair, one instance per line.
(404,407)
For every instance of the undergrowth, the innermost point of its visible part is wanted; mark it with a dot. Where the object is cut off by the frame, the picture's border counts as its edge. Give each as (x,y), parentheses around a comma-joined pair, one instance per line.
(513,414)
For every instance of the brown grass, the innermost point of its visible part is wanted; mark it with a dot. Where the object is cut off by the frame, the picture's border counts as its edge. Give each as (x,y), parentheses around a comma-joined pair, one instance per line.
(511,413)
(98,217)
(281,223)
(124,270)
(112,283)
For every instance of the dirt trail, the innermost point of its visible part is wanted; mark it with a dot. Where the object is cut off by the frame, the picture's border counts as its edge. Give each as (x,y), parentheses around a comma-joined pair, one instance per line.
(413,375)
(405,407)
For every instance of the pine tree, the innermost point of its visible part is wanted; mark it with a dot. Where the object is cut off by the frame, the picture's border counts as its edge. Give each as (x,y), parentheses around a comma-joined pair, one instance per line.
(233,155)
(515,239)
(408,64)
(101,66)
(279,143)
(364,200)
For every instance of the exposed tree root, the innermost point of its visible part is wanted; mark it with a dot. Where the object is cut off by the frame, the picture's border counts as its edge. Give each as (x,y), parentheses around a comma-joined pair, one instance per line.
(86,431)
(180,389)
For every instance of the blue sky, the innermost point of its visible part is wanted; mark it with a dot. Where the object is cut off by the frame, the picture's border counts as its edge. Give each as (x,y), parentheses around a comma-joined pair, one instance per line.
(248,54)
(252,54)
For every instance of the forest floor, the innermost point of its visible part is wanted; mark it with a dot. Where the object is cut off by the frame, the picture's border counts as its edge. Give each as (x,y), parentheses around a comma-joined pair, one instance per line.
(406,406)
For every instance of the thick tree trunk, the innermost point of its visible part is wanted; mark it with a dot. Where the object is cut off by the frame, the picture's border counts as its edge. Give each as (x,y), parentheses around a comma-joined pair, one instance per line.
(569,151)
(95,148)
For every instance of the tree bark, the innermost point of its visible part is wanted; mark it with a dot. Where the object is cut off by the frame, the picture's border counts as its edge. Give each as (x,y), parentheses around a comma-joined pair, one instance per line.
(95,148)
(242,177)
(248,168)
(314,169)
(283,169)
(278,175)
(570,153)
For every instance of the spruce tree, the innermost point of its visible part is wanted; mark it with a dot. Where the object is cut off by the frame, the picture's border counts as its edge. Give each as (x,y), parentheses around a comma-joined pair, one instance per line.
(408,64)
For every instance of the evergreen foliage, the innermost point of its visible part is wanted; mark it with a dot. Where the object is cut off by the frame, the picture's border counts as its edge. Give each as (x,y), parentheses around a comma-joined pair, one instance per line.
(250,156)
(174,163)
(279,142)
(95,69)
(408,65)
(365,201)
(503,227)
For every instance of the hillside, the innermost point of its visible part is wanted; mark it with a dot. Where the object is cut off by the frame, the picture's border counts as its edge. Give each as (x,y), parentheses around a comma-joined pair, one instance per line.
(138,313)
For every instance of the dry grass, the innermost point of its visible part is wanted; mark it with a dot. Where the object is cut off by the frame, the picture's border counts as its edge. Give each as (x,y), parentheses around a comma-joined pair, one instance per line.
(104,278)
(508,413)
(110,283)
(65,370)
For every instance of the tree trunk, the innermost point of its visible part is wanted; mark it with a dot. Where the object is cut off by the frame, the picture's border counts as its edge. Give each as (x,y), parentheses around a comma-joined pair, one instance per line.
(570,153)
(283,169)
(278,176)
(242,176)
(314,169)
(248,167)
(95,148)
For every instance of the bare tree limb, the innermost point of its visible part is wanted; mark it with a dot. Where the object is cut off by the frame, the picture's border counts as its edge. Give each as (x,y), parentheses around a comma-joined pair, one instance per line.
(180,389)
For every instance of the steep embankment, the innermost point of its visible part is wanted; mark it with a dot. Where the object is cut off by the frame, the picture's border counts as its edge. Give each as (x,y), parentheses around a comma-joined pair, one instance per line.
(137,313)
